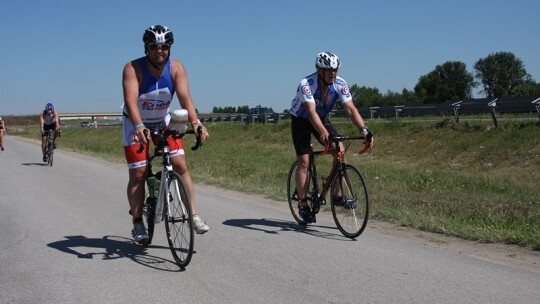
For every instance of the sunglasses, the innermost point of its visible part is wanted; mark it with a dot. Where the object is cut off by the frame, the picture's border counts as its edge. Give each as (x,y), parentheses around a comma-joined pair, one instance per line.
(155,46)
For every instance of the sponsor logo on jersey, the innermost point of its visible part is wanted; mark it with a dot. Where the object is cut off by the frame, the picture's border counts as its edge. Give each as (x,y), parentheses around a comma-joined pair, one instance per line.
(306,90)
(162,105)
(147,106)
(345,90)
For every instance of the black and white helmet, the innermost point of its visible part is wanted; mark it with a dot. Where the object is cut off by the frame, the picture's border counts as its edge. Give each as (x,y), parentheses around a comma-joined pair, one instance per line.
(327,60)
(158,34)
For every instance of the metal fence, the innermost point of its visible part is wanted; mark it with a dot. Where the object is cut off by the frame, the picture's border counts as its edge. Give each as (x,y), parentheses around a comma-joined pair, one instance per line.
(493,106)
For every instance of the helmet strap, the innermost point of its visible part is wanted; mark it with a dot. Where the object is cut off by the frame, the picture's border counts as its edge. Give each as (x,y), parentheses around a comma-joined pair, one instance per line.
(322,79)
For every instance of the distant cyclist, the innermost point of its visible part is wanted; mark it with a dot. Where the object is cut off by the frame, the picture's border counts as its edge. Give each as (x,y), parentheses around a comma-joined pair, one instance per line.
(49,120)
(316,96)
(149,84)
(2,132)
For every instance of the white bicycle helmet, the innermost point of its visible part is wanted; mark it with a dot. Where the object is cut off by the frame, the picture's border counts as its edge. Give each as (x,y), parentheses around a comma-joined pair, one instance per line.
(327,60)
(158,34)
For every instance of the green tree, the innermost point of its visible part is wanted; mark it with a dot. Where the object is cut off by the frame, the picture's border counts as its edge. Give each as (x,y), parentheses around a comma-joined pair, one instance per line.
(503,74)
(447,82)
(365,96)
(242,109)
(537,89)
(396,99)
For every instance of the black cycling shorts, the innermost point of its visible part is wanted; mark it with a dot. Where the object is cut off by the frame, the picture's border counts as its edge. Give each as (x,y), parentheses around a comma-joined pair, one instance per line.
(302,129)
(49,127)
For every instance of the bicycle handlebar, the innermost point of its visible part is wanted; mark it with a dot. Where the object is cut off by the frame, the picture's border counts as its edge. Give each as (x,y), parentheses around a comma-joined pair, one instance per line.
(339,138)
(176,134)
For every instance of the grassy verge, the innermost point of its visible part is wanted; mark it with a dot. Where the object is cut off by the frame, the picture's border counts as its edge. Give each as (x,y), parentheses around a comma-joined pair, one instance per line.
(469,181)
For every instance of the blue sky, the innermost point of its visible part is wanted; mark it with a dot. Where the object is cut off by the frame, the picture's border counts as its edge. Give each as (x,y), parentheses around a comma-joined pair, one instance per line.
(240,53)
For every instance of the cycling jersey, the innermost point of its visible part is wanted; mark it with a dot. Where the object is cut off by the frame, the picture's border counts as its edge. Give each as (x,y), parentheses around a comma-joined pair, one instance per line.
(1,124)
(48,119)
(155,94)
(309,91)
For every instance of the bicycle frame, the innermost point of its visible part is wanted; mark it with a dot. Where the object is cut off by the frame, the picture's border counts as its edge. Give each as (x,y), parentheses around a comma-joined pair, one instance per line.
(49,146)
(50,140)
(339,157)
(166,169)
(163,184)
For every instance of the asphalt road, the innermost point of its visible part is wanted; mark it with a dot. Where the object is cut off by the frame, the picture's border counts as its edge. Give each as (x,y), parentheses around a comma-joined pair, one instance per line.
(65,238)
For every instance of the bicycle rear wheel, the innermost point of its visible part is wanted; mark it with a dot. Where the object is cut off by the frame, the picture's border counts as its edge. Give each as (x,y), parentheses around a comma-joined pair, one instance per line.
(178,220)
(350,213)
(292,193)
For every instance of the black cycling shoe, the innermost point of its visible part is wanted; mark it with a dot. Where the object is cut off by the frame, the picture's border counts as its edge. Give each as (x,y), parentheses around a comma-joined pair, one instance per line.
(342,202)
(44,158)
(306,214)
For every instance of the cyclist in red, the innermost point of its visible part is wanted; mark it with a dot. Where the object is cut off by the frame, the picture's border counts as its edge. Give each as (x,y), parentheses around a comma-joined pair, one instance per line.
(316,96)
(149,84)
(2,132)
(49,120)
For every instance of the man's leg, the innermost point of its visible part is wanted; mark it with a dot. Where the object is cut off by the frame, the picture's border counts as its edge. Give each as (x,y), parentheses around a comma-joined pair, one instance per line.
(180,167)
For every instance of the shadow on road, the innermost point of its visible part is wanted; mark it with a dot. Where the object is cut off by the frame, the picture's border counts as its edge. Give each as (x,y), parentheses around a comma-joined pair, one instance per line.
(35,164)
(111,248)
(270,225)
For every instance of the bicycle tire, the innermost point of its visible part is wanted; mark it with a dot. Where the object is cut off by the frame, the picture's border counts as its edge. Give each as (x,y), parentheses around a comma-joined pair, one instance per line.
(50,151)
(149,212)
(50,159)
(178,220)
(292,194)
(350,215)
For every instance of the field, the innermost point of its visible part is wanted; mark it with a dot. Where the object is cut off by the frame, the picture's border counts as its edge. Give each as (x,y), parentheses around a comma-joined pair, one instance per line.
(472,181)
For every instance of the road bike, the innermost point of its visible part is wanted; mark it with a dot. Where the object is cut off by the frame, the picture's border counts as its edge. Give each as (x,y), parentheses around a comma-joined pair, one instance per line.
(349,199)
(167,199)
(49,147)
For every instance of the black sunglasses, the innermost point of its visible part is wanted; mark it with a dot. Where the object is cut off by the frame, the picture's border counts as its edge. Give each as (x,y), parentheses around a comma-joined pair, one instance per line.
(155,46)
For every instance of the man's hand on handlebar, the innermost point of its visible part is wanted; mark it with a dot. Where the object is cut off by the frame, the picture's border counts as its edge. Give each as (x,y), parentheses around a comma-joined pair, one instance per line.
(142,135)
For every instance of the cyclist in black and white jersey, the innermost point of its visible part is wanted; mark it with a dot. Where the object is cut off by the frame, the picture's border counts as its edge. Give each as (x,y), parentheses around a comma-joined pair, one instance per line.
(48,120)
(316,96)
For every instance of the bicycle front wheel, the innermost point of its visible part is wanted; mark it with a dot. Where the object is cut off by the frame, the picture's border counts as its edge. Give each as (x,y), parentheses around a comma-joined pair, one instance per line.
(50,156)
(178,220)
(149,212)
(50,149)
(350,201)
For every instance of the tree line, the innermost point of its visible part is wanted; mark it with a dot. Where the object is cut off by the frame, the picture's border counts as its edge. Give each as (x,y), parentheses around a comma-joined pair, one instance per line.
(499,74)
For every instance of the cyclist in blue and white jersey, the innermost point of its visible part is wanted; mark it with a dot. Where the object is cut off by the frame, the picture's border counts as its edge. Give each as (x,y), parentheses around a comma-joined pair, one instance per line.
(48,120)
(149,84)
(316,96)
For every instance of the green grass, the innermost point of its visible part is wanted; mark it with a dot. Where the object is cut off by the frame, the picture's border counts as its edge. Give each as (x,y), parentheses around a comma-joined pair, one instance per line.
(471,181)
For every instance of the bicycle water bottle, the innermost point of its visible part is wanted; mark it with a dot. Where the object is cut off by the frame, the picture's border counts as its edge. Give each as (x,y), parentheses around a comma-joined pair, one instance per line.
(151,182)
(158,181)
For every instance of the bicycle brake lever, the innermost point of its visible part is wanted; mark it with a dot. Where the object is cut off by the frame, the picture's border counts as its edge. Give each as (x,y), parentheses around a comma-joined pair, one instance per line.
(367,143)
(199,139)
(141,147)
